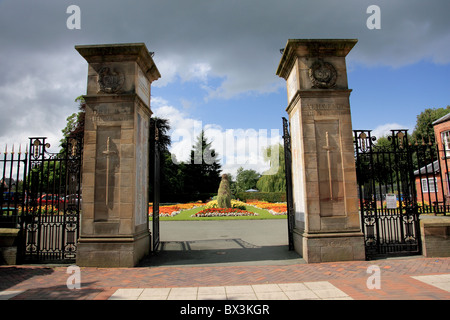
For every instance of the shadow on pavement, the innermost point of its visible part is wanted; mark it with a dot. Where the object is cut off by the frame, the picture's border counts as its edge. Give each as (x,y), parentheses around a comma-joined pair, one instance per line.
(60,292)
(11,276)
(220,252)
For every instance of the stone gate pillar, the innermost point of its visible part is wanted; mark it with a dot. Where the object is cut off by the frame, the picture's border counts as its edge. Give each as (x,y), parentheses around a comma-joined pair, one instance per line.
(327,224)
(114,220)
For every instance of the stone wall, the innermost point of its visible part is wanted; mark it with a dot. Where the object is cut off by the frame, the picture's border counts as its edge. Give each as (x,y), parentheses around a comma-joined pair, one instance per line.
(8,246)
(435,234)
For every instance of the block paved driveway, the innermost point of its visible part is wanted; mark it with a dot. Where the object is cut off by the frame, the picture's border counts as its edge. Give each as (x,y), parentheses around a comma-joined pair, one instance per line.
(224,243)
(286,276)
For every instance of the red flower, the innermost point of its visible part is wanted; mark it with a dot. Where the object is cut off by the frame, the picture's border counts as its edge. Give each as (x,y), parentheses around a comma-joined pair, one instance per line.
(217,212)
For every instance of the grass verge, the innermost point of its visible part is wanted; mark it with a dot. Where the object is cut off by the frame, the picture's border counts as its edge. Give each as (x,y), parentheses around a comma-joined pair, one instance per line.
(186,215)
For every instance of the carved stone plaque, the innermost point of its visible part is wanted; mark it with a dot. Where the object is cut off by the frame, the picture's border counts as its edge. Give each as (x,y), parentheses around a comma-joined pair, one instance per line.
(107,169)
(323,75)
(110,81)
(329,165)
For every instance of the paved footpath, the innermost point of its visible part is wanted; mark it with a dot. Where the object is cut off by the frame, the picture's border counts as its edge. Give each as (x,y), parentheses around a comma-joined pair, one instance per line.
(390,279)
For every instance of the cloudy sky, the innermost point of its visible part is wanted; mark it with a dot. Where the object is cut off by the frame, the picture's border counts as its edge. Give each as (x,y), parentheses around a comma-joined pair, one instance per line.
(218,60)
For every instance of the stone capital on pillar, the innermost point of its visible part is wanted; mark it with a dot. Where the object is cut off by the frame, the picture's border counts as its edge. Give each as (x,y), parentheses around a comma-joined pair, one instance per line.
(327,225)
(114,220)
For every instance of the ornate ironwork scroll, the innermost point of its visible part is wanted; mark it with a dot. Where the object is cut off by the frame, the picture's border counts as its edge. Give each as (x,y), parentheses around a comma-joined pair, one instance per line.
(384,168)
(52,205)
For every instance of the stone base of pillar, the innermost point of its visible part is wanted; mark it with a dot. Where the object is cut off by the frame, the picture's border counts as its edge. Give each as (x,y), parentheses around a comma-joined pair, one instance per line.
(113,252)
(329,247)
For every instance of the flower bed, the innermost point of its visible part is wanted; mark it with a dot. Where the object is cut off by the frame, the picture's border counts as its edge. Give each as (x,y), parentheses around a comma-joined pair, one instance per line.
(234,204)
(221,212)
(43,209)
(173,210)
(273,208)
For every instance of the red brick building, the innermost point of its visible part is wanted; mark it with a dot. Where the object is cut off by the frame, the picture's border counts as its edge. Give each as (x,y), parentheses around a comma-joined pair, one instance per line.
(432,180)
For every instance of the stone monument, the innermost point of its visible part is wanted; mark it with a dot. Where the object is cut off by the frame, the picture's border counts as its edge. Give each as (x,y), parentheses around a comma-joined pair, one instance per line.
(327,223)
(114,228)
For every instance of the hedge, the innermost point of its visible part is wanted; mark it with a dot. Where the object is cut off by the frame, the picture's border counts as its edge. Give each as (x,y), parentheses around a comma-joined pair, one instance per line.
(263,196)
(204,197)
(184,197)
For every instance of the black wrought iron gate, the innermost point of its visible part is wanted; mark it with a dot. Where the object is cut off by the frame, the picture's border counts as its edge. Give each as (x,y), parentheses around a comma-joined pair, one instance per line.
(48,204)
(288,172)
(388,198)
(155,171)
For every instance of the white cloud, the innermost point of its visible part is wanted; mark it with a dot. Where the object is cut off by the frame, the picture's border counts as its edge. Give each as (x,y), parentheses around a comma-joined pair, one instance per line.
(385,129)
(197,71)
(242,147)
(194,41)
(168,71)
(37,98)
(235,147)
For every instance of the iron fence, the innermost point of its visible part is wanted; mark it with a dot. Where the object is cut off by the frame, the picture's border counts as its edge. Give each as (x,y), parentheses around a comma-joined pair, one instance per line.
(13,166)
(398,180)
(41,196)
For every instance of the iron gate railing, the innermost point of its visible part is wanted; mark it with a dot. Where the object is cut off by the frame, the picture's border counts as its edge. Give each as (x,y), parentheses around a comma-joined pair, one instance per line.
(47,200)
(13,166)
(155,176)
(398,180)
(289,191)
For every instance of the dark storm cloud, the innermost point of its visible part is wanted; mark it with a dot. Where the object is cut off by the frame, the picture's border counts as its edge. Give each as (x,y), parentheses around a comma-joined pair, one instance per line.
(235,40)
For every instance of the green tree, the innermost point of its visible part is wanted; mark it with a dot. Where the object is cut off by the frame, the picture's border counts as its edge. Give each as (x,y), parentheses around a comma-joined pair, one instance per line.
(202,172)
(424,124)
(274,180)
(75,124)
(380,166)
(423,136)
(49,176)
(164,140)
(171,172)
(232,185)
(246,179)
(172,178)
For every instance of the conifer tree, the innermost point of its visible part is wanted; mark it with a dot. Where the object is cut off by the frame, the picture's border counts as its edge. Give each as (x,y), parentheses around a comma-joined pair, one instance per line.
(202,173)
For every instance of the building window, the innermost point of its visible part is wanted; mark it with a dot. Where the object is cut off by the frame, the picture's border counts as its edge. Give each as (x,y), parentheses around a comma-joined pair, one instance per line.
(446,142)
(430,186)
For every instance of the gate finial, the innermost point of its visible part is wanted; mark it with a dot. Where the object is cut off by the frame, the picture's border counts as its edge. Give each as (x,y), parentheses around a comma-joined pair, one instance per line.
(400,136)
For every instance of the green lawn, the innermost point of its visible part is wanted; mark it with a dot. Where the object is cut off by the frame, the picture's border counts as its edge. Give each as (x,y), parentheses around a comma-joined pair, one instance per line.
(186,215)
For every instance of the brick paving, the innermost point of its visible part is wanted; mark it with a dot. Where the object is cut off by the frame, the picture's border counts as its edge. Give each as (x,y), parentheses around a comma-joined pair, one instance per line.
(400,279)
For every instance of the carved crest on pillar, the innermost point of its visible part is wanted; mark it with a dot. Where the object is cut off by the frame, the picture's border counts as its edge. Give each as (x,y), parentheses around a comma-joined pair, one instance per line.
(110,81)
(323,75)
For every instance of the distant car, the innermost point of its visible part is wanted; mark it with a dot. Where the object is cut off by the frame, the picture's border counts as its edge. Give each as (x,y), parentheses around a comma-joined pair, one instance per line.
(51,199)
(73,199)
